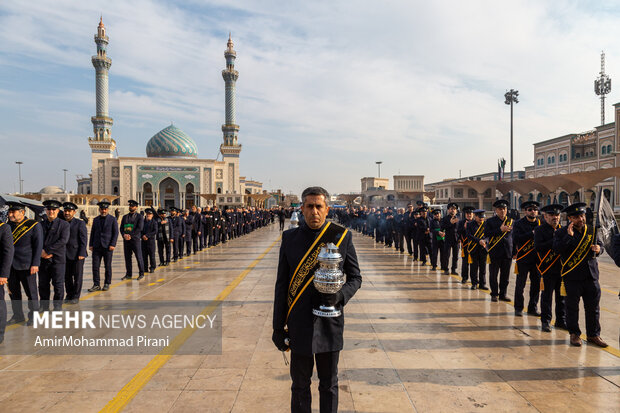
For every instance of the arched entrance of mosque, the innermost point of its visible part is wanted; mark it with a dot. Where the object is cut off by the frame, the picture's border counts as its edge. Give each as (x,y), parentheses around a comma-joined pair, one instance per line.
(169,193)
(563,199)
(147,191)
(189,195)
(576,197)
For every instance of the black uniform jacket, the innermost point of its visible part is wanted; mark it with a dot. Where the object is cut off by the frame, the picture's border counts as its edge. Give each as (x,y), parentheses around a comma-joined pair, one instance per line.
(543,243)
(165,231)
(104,232)
(492,229)
(523,231)
(55,237)
(78,239)
(308,333)
(131,224)
(149,229)
(6,250)
(27,250)
(450,229)
(565,245)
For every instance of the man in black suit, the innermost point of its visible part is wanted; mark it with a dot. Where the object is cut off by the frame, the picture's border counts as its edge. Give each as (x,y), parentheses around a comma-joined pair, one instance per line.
(178,230)
(499,231)
(103,236)
(6,259)
(449,225)
(578,247)
(477,250)
(131,228)
(523,236)
(312,337)
(165,236)
(53,256)
(27,243)
(149,234)
(468,215)
(76,253)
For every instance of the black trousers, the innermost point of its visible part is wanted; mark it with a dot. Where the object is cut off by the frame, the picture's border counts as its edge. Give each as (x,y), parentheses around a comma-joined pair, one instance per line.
(17,280)
(526,270)
(74,274)
(552,283)
(177,247)
(409,241)
(478,266)
(590,291)
(133,247)
(195,241)
(281,225)
(301,374)
(148,254)
(499,267)
(54,273)
(416,247)
(437,249)
(424,246)
(2,314)
(188,243)
(465,266)
(398,240)
(161,247)
(106,254)
(450,249)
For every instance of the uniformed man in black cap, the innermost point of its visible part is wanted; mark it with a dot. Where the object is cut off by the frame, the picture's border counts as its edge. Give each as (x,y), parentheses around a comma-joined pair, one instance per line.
(438,238)
(408,228)
(131,229)
(312,338)
(187,239)
(477,250)
(165,236)
(149,234)
(196,228)
(468,215)
(53,256)
(449,226)
(549,267)
(6,260)
(178,230)
(28,243)
(208,226)
(499,231)
(423,233)
(523,237)
(578,247)
(76,253)
(102,242)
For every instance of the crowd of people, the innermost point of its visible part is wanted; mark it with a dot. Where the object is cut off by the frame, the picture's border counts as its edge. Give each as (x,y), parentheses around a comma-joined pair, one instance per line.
(560,261)
(49,251)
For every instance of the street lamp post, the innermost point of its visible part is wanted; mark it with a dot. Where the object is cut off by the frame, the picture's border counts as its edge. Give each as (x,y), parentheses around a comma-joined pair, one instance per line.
(65,180)
(379,166)
(511,98)
(21,183)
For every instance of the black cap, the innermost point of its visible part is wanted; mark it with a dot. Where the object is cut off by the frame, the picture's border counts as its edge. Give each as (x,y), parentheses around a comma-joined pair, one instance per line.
(409,205)
(501,203)
(468,209)
(436,211)
(422,209)
(453,204)
(554,209)
(479,212)
(528,204)
(575,209)
(161,211)
(51,204)
(103,205)
(15,206)
(149,211)
(69,205)
(419,203)
(131,202)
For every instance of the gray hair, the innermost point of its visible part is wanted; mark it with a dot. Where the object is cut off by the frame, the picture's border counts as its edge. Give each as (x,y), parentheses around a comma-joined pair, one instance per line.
(314,190)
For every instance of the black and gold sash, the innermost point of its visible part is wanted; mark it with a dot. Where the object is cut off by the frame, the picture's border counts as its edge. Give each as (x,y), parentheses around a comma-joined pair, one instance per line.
(478,234)
(496,239)
(22,229)
(579,253)
(528,247)
(304,273)
(547,261)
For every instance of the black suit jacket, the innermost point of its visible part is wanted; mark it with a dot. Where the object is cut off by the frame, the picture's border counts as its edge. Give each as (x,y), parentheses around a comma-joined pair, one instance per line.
(565,245)
(104,232)
(308,333)
(27,250)
(55,237)
(78,240)
(6,250)
(523,231)
(492,229)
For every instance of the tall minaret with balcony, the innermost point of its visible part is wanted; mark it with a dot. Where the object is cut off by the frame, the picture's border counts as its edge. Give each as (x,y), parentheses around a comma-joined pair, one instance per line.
(230,149)
(102,145)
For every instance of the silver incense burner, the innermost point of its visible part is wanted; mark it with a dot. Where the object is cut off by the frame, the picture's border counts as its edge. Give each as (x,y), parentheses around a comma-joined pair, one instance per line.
(328,279)
(294,220)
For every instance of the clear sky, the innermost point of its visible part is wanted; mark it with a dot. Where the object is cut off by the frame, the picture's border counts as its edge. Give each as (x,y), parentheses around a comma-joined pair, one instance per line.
(326,88)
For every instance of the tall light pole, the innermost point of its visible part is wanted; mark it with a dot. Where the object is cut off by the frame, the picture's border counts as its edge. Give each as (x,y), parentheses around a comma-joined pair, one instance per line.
(65,184)
(511,98)
(602,86)
(379,166)
(21,183)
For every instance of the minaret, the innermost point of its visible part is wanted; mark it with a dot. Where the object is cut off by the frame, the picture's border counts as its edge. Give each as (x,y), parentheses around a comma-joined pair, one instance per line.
(230,149)
(102,145)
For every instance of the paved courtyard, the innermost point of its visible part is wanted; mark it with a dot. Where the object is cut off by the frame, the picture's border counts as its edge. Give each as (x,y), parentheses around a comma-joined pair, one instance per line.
(415,340)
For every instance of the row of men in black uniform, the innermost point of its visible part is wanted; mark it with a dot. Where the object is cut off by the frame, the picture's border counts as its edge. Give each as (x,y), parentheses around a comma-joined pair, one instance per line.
(55,248)
(564,258)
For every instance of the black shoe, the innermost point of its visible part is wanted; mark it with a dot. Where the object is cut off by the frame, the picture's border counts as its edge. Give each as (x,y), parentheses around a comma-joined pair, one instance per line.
(483,287)
(561,325)
(518,313)
(106,287)
(94,288)
(29,322)
(446,272)
(534,313)
(474,287)
(504,298)
(152,270)
(464,281)
(546,327)
(166,263)
(494,299)
(454,273)
(126,277)
(161,264)
(141,276)
(15,320)
(434,268)
(67,300)
(75,300)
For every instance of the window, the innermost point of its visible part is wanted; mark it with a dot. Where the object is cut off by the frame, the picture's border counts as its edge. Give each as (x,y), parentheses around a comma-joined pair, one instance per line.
(609,149)
(577,155)
(604,150)
(553,159)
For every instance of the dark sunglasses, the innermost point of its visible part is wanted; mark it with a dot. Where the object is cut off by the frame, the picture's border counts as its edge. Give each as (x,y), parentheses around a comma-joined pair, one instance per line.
(531,209)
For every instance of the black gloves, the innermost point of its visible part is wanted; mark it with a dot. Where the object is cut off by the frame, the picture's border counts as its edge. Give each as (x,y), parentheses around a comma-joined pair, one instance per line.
(332,299)
(278,338)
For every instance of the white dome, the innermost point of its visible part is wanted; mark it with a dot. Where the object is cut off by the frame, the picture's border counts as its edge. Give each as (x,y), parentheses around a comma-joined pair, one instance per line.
(51,190)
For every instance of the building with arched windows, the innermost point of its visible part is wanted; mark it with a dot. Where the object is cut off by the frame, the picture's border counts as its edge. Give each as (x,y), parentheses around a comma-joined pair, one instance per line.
(171,174)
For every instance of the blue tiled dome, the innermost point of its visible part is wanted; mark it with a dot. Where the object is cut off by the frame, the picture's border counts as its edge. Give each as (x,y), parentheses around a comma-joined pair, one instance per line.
(171,142)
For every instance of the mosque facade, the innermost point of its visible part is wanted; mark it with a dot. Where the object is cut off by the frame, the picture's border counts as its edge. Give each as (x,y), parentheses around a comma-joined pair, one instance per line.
(171,174)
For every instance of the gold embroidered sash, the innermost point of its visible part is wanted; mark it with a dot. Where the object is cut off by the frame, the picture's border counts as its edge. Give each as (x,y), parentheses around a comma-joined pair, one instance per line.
(579,253)
(496,239)
(478,234)
(22,229)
